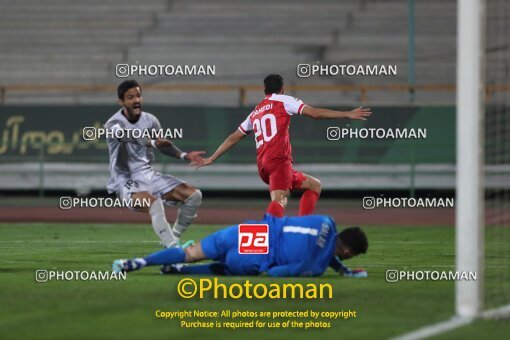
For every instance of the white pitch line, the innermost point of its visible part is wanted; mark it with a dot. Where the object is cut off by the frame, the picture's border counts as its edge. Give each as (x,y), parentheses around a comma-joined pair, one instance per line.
(452,324)
(497,312)
(435,329)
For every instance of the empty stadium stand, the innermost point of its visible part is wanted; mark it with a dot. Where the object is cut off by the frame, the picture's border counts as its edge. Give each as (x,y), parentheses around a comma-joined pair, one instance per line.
(79,43)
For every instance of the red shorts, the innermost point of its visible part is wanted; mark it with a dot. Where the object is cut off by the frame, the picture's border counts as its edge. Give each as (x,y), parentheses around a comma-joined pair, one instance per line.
(281,176)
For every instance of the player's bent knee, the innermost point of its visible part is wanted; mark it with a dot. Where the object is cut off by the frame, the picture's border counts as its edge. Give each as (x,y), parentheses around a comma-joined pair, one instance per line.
(181,193)
(313,184)
(195,199)
(316,186)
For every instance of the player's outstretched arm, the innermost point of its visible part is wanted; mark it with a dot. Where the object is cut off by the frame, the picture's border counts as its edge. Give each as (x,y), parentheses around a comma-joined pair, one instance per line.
(360,113)
(168,148)
(289,270)
(227,144)
(343,270)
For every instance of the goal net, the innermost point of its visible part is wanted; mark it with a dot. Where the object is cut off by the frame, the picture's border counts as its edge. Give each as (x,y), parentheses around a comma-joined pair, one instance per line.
(496,289)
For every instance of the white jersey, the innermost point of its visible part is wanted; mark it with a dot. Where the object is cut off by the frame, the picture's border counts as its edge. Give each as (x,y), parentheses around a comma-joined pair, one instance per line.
(129,158)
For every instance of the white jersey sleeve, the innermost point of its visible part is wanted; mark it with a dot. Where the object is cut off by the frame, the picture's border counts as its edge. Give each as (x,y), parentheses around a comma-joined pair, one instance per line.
(293,106)
(246,127)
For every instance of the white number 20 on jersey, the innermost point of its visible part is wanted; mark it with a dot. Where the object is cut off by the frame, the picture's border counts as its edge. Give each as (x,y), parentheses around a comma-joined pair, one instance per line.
(264,132)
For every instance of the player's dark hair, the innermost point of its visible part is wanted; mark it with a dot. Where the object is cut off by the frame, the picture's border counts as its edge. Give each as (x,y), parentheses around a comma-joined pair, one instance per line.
(355,239)
(273,83)
(125,86)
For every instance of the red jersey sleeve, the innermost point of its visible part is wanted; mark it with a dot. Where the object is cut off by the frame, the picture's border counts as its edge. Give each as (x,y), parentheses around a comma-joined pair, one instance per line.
(293,106)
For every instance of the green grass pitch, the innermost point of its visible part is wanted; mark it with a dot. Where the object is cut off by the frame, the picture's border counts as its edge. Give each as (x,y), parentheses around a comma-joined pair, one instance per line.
(125,309)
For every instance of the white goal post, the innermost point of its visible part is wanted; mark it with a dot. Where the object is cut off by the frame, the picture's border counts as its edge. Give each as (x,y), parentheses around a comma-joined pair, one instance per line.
(469,228)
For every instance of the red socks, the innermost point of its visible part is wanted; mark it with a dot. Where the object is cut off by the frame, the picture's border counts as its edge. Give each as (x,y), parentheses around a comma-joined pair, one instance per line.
(275,209)
(306,205)
(307,202)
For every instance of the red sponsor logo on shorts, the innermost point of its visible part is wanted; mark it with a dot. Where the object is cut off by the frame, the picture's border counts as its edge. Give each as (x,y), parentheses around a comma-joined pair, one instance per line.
(253,238)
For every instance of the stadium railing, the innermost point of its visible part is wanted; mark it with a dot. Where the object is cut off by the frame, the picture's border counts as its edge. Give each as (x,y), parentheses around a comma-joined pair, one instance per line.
(242,90)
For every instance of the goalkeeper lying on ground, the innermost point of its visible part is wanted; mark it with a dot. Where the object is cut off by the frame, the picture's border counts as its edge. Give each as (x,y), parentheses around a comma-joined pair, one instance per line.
(298,246)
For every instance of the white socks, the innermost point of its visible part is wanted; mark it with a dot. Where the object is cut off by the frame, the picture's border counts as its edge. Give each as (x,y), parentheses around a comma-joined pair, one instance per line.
(161,226)
(187,213)
(185,216)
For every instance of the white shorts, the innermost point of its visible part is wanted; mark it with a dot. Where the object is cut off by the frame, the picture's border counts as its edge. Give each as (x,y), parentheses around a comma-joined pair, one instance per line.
(156,183)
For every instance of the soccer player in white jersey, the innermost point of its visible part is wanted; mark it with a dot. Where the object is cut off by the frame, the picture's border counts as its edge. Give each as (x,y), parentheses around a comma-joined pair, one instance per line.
(132,176)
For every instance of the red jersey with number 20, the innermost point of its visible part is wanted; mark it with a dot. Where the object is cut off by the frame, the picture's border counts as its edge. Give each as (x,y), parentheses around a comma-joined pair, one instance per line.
(270,121)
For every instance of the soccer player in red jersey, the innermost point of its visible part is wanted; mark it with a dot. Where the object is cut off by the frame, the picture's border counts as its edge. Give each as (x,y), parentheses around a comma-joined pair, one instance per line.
(270,123)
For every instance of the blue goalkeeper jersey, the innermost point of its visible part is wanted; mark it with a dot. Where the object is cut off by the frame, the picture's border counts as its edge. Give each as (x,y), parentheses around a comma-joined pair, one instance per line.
(300,246)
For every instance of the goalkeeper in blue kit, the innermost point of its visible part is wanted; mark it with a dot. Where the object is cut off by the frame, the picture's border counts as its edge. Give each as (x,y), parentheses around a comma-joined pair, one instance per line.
(298,246)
